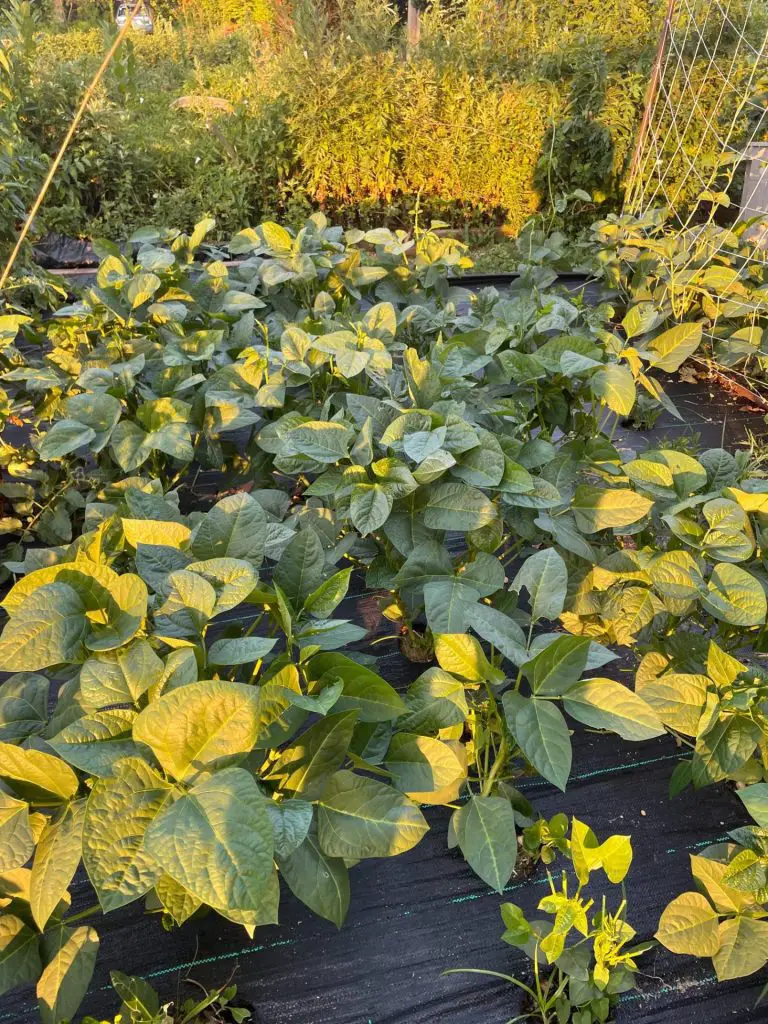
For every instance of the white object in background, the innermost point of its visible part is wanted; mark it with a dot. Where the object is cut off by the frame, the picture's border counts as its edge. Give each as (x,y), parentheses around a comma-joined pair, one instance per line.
(143,20)
(754,196)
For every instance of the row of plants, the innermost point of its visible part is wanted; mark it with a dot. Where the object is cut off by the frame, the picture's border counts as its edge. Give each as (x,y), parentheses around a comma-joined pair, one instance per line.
(182,668)
(511,106)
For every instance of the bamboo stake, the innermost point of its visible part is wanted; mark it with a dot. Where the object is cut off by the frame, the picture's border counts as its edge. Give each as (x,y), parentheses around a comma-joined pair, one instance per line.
(87,96)
(650,97)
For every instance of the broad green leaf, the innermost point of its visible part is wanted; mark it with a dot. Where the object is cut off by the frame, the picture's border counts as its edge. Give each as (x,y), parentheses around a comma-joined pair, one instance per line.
(369,508)
(48,628)
(435,701)
(118,813)
(446,604)
(300,569)
(136,995)
(66,977)
(545,577)
(743,947)
(306,767)
(689,925)
(120,676)
(97,741)
(56,859)
(19,956)
(498,629)
(457,506)
(319,881)
(190,603)
(236,527)
(603,508)
(23,706)
(291,820)
(709,874)
(359,818)
(486,833)
(176,901)
(755,799)
(240,651)
(321,441)
(225,859)
(326,598)
(615,386)
(421,764)
(233,579)
(539,728)
(364,691)
(735,596)
(37,776)
(555,669)
(63,438)
(724,748)
(606,704)
(17,842)
(200,726)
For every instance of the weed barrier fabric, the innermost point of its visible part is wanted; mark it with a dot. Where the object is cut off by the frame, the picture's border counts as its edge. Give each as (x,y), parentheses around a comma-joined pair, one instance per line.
(413,916)
(418,914)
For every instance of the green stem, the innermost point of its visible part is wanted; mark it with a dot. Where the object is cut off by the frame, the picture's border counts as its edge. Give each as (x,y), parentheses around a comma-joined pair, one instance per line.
(496,767)
(83,914)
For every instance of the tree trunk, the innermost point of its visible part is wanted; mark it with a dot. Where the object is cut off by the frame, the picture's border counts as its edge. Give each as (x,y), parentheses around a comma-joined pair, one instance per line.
(59,13)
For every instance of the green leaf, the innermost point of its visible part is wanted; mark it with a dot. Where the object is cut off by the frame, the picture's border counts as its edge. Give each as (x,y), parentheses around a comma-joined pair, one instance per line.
(190,603)
(735,596)
(499,630)
(56,859)
(240,651)
(615,386)
(141,288)
(723,749)
(486,833)
(176,901)
(446,603)
(17,843)
(457,506)
(421,764)
(369,508)
(200,726)
(359,818)
(689,925)
(308,764)
(545,577)
(67,975)
(120,676)
(755,799)
(555,669)
(364,691)
(677,698)
(602,508)
(743,947)
(300,569)
(118,813)
(37,776)
(149,532)
(606,704)
(319,881)
(322,601)
(324,442)
(137,995)
(540,730)
(63,438)
(23,706)
(435,701)
(19,956)
(95,743)
(236,527)
(291,820)
(226,857)
(48,628)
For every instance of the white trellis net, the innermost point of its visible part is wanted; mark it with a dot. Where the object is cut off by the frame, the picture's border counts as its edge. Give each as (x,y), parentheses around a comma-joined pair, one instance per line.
(707,114)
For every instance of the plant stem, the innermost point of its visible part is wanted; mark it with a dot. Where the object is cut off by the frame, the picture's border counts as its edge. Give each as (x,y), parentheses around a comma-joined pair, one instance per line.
(496,766)
(83,914)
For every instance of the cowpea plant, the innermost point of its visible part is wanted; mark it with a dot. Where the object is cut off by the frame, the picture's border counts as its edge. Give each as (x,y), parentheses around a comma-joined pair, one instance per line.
(584,958)
(158,730)
(726,917)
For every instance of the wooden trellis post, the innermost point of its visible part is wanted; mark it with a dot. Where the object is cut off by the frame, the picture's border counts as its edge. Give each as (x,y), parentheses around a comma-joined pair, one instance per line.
(414,25)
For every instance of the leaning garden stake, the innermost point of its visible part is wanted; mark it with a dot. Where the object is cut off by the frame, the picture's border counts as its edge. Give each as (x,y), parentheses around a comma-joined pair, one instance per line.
(87,95)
